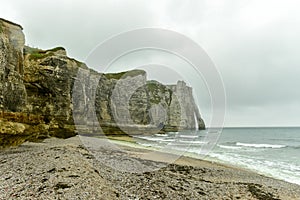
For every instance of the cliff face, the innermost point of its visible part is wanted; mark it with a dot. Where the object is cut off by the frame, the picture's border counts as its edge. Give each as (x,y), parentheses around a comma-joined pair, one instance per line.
(11,67)
(12,89)
(44,93)
(48,78)
(190,115)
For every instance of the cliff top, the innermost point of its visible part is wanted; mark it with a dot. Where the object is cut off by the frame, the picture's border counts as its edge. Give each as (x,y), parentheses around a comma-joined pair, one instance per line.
(36,53)
(125,74)
(12,23)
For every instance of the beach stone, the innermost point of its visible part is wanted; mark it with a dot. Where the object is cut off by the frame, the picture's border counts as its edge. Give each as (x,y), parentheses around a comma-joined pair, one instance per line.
(59,169)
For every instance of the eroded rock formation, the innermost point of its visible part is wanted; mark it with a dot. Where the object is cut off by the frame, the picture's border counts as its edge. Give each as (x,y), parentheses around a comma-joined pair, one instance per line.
(45,93)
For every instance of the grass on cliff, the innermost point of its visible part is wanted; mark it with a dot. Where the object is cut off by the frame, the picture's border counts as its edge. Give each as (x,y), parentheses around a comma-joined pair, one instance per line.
(36,56)
(154,86)
(123,75)
(56,49)
(36,53)
(157,88)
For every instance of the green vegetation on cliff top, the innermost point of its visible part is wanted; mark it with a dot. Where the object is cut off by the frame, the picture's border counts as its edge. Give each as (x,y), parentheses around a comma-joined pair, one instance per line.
(36,53)
(156,88)
(153,85)
(123,75)
(9,22)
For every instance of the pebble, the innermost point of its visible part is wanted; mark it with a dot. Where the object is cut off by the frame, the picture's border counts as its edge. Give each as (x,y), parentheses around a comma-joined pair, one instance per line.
(63,169)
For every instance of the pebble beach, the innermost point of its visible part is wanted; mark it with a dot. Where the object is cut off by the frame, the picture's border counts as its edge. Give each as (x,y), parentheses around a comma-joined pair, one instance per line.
(65,169)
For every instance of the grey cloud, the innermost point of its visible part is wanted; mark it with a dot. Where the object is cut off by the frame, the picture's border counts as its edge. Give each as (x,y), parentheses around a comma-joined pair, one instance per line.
(78,25)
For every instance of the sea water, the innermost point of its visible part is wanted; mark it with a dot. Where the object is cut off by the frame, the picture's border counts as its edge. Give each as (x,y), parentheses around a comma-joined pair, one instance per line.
(274,152)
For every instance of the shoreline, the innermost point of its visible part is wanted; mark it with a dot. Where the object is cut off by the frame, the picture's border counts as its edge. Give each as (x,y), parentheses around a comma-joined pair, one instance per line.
(190,159)
(65,169)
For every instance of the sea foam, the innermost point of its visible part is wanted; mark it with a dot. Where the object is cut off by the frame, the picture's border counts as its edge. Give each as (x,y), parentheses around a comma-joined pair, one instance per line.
(274,146)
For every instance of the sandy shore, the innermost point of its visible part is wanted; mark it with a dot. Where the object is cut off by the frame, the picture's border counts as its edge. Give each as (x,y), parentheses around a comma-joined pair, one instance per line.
(65,169)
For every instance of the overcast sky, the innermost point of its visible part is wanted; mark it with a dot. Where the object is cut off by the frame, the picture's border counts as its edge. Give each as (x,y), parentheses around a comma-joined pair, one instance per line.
(255,44)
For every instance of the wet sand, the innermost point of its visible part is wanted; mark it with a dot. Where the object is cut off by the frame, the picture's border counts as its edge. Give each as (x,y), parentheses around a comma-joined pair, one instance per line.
(65,169)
